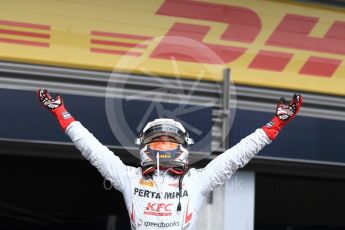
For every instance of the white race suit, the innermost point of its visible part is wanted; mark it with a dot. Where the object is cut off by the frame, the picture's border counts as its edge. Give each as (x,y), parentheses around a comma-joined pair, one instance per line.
(152,202)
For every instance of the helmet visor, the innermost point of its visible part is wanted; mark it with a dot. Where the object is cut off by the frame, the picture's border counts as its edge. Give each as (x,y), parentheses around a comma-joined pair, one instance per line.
(163,130)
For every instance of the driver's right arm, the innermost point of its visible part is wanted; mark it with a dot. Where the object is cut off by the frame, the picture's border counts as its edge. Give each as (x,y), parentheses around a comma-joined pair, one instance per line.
(108,164)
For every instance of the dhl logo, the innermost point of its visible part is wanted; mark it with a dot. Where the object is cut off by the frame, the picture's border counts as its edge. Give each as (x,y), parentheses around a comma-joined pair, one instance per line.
(265,49)
(243,25)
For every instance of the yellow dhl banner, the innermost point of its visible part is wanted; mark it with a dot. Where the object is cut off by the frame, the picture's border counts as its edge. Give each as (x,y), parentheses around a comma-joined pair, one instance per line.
(279,44)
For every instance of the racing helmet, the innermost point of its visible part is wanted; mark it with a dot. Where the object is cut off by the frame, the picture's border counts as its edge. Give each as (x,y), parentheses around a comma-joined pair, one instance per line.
(164,143)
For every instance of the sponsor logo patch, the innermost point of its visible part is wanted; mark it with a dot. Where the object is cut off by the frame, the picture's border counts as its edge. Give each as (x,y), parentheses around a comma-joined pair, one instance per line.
(158,209)
(156,195)
(157,224)
(66,115)
(146,183)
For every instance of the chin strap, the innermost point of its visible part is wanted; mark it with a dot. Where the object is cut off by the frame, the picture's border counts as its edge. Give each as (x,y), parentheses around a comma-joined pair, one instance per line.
(180,189)
(176,171)
(173,171)
(157,157)
(148,171)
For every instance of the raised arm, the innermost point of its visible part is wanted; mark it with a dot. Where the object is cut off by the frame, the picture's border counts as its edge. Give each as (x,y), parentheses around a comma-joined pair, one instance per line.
(219,170)
(108,164)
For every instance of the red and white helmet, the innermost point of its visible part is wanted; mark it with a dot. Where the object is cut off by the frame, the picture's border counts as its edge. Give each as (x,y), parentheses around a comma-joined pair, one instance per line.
(164,143)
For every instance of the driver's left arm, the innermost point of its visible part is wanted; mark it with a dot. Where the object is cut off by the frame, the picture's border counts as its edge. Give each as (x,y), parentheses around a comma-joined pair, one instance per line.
(219,170)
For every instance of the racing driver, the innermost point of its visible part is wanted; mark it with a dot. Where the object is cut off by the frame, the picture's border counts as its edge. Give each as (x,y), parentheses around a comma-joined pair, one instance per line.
(165,193)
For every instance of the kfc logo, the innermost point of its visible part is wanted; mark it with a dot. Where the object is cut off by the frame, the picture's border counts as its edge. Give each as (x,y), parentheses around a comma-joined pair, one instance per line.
(158,209)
